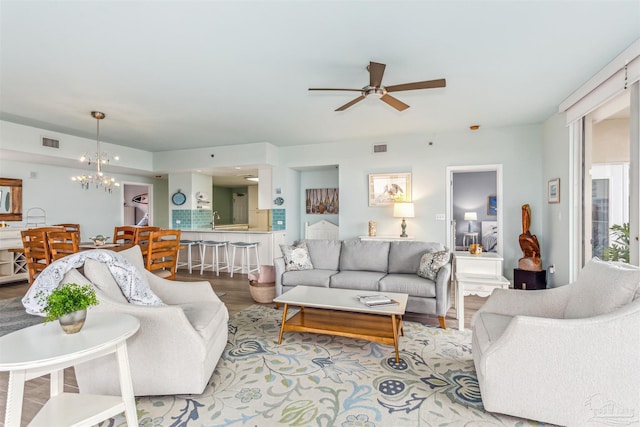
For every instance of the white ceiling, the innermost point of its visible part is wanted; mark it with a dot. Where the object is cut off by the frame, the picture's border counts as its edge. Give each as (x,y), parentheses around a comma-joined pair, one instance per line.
(189,74)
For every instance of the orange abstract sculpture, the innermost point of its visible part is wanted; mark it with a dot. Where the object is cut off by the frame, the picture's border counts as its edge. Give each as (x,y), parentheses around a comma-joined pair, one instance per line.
(529,244)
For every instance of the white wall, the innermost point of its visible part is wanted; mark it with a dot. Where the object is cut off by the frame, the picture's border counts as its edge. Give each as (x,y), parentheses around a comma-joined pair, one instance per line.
(65,201)
(517,148)
(556,161)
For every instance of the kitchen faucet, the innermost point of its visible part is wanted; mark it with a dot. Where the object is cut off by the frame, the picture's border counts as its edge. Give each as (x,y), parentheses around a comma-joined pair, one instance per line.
(214,216)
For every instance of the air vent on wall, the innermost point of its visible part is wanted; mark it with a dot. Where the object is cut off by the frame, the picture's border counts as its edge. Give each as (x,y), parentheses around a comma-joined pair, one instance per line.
(380,148)
(50,142)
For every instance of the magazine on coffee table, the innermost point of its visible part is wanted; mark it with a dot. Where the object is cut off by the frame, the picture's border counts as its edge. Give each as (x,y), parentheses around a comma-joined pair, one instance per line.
(376,300)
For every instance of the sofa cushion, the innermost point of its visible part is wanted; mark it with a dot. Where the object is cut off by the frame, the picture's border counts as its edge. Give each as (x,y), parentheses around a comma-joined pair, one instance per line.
(431,262)
(134,256)
(409,284)
(404,257)
(315,277)
(102,279)
(359,255)
(296,257)
(325,254)
(364,280)
(601,288)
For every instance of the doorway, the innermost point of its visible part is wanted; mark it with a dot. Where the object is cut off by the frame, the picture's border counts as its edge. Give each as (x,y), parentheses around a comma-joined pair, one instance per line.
(605,171)
(136,208)
(474,207)
(240,208)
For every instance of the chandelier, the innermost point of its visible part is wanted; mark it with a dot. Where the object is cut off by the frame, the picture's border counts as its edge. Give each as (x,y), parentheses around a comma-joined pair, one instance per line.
(99,158)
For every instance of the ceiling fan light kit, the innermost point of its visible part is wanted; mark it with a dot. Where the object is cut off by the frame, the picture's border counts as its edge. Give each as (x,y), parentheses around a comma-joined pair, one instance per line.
(375,88)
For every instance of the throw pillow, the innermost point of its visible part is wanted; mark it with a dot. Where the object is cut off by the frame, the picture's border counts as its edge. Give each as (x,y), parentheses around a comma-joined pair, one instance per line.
(601,287)
(296,257)
(431,263)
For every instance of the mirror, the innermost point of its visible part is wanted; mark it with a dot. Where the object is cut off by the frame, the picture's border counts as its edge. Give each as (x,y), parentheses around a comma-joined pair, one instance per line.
(10,199)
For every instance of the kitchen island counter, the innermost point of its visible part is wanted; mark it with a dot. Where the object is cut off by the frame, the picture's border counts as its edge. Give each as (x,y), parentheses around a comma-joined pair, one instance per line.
(268,241)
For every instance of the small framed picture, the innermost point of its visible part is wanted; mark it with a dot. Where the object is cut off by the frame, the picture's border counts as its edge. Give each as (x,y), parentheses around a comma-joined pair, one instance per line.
(554,191)
(492,205)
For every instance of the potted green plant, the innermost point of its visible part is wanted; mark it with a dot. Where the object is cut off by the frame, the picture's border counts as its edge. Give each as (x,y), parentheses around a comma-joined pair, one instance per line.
(68,303)
(619,249)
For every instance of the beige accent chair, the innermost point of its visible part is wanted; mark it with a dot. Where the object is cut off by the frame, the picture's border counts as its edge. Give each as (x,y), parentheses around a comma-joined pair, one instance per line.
(568,355)
(178,345)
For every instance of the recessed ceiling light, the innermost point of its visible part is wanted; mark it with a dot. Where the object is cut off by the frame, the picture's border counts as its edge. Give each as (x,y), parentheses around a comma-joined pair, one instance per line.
(474,127)
(252,178)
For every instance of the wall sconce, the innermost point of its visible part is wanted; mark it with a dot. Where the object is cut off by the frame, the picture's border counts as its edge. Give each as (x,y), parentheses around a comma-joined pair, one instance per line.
(470,216)
(403,210)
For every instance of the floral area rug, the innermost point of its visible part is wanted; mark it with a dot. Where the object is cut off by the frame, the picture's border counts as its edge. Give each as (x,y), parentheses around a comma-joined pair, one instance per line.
(321,380)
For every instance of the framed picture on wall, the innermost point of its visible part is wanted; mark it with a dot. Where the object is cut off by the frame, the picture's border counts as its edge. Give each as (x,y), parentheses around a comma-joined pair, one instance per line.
(492,205)
(554,191)
(322,201)
(386,189)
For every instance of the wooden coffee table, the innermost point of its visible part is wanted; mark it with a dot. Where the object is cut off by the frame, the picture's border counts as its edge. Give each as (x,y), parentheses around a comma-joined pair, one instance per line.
(339,312)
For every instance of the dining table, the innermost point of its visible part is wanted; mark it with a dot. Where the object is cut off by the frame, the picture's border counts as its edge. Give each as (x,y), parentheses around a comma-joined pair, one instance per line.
(116,247)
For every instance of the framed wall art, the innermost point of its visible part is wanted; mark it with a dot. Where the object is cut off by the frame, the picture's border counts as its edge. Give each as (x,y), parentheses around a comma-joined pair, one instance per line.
(386,189)
(322,201)
(553,195)
(492,205)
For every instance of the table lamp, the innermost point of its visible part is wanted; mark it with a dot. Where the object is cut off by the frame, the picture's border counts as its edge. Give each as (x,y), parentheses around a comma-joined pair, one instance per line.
(403,210)
(470,216)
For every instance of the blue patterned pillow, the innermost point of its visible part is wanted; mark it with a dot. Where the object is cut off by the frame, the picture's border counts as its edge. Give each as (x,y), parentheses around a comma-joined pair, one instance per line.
(296,257)
(431,262)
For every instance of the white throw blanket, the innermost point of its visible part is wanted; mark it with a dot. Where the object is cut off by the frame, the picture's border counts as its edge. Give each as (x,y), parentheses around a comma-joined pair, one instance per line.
(132,283)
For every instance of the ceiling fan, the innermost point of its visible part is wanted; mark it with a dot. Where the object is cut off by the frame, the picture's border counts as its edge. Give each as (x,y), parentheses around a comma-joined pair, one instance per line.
(376,71)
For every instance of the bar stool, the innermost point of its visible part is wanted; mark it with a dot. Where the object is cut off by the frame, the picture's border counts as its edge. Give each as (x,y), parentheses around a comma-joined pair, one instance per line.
(245,248)
(188,244)
(215,256)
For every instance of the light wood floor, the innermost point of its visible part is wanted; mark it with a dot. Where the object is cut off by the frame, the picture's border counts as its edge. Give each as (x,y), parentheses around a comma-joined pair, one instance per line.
(236,297)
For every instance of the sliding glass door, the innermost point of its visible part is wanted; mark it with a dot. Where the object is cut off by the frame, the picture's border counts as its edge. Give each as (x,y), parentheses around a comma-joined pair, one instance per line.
(609,184)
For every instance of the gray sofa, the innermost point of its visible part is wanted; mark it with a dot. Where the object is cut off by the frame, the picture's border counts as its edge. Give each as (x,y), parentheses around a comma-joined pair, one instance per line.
(373,266)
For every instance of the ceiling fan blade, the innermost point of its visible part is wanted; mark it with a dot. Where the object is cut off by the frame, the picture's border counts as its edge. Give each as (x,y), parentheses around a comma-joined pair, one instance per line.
(325,88)
(429,84)
(376,71)
(349,104)
(394,102)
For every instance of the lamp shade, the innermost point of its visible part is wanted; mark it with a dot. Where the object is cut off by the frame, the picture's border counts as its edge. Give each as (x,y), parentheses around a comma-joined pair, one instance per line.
(470,216)
(403,210)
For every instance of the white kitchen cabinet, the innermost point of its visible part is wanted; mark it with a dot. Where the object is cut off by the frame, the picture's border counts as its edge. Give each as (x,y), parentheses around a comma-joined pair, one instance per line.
(264,188)
(259,219)
(13,265)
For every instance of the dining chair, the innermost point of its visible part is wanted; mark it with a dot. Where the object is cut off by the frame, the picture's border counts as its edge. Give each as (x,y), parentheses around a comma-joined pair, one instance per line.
(71,227)
(36,249)
(162,253)
(62,243)
(124,234)
(142,238)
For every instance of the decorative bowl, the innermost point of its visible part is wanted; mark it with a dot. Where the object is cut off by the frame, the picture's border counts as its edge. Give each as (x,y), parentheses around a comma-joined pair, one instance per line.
(99,240)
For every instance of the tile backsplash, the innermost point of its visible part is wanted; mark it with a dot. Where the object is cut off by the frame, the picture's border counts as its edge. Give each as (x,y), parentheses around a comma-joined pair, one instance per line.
(191,218)
(278,219)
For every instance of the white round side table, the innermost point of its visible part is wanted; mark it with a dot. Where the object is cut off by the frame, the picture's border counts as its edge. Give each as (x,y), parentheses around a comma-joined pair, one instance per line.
(45,348)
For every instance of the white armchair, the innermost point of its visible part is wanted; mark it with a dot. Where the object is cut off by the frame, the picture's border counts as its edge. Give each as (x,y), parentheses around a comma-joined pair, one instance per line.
(567,355)
(178,345)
